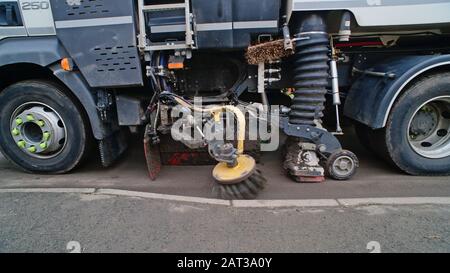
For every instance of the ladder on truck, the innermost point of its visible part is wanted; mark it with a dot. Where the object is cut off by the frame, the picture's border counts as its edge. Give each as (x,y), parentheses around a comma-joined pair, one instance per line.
(145,44)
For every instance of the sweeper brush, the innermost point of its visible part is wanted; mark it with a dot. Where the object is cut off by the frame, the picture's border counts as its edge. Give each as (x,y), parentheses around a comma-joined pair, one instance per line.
(243,181)
(236,174)
(267,52)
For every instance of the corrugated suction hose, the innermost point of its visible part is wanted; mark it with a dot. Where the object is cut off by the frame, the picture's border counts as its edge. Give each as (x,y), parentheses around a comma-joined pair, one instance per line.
(310,71)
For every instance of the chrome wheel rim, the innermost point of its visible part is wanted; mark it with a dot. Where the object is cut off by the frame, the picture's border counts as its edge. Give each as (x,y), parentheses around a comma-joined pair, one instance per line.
(38,130)
(429,129)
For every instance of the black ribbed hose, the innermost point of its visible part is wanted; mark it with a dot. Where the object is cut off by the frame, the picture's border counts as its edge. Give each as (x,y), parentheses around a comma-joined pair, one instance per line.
(310,71)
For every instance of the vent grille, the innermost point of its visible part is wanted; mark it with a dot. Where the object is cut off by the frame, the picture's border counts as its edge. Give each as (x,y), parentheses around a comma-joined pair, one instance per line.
(119,58)
(88,8)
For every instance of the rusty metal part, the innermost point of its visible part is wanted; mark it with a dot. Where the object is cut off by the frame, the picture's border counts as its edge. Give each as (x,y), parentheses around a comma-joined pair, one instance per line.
(153,158)
(302,162)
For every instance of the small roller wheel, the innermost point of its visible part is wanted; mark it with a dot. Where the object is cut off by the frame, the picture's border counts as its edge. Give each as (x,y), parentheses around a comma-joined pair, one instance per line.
(342,165)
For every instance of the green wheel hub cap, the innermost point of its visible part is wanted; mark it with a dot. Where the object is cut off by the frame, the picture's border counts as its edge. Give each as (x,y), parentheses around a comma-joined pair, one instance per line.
(38,130)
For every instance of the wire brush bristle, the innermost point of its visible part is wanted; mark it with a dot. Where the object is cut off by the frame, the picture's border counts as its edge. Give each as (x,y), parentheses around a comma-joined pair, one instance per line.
(266,52)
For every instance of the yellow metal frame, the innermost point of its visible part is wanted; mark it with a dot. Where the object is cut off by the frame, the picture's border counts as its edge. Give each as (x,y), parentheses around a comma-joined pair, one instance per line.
(231,175)
(216,111)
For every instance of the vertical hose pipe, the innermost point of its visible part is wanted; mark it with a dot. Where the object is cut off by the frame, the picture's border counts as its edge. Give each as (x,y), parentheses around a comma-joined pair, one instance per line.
(310,71)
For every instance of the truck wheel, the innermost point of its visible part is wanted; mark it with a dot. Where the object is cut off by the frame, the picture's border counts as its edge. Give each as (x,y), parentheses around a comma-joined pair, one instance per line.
(417,135)
(41,129)
(362,133)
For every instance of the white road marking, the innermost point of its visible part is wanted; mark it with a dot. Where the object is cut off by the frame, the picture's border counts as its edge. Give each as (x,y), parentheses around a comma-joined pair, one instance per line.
(345,202)
(395,201)
(168,197)
(50,190)
(284,203)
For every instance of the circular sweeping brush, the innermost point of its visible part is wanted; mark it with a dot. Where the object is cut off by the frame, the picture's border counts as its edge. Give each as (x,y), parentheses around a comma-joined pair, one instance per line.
(243,181)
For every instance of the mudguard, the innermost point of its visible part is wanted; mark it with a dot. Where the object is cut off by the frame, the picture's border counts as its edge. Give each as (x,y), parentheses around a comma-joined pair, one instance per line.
(42,51)
(47,52)
(372,96)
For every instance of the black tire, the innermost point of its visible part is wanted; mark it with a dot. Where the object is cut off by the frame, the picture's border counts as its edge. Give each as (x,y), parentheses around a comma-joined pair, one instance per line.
(339,175)
(78,138)
(395,135)
(362,133)
(373,141)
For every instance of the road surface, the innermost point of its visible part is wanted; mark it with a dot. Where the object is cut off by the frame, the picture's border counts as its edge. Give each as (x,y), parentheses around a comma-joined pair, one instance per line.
(119,210)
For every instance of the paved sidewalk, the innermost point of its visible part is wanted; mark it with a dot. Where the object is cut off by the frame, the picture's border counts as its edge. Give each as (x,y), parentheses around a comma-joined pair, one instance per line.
(47,222)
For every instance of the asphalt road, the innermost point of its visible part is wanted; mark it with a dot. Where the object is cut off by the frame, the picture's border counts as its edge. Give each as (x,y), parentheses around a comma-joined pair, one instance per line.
(374,179)
(100,222)
(47,222)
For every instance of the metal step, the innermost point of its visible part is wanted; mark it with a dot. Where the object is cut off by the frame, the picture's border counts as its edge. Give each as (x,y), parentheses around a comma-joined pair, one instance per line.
(150,8)
(142,37)
(166,46)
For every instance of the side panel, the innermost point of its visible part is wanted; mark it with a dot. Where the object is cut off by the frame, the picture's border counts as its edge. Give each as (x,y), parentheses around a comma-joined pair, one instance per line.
(232,24)
(214,23)
(37,17)
(371,98)
(370,13)
(100,36)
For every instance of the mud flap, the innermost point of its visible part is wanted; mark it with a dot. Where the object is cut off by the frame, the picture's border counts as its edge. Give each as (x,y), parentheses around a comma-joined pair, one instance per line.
(153,158)
(112,147)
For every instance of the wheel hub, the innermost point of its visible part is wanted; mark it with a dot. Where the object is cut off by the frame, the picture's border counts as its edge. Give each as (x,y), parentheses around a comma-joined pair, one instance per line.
(38,130)
(429,129)
(424,123)
(343,165)
(245,167)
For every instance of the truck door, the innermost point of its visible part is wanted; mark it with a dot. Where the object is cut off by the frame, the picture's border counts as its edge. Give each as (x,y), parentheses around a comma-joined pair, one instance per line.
(11,24)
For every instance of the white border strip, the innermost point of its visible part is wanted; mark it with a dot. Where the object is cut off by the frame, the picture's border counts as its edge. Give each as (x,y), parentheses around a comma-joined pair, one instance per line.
(52,190)
(168,28)
(255,24)
(284,203)
(214,26)
(237,25)
(395,201)
(107,21)
(158,196)
(350,202)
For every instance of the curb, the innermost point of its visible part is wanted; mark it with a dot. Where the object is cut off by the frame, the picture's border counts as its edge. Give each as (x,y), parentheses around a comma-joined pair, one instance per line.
(301,203)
